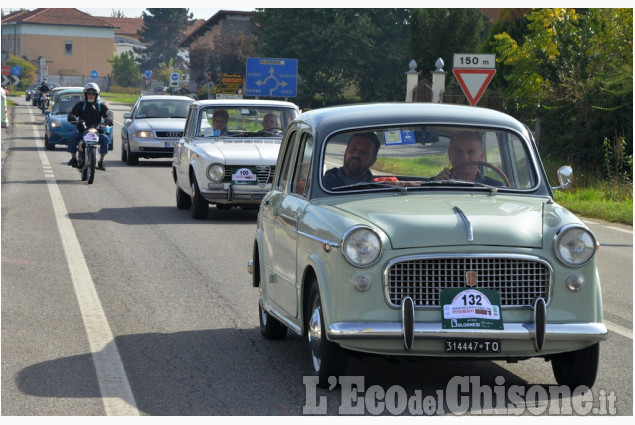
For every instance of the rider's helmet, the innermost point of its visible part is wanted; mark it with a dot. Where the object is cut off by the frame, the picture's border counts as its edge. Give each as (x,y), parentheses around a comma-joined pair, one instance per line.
(91,88)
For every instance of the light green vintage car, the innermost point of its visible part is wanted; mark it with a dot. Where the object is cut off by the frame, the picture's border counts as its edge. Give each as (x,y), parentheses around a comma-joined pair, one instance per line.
(424,230)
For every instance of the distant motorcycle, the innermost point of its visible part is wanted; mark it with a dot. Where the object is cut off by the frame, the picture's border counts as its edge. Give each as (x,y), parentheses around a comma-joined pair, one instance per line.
(88,148)
(44,102)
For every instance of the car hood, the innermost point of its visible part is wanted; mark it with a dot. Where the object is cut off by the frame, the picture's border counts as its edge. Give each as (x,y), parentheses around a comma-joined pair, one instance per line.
(241,152)
(159,124)
(414,221)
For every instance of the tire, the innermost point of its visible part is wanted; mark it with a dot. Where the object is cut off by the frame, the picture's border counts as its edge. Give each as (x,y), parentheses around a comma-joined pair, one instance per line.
(47,145)
(90,167)
(124,154)
(328,358)
(270,327)
(200,207)
(131,158)
(577,368)
(183,200)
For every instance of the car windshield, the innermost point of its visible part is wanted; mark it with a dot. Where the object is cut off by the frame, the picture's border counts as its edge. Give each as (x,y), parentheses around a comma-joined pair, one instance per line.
(65,103)
(415,157)
(168,108)
(248,121)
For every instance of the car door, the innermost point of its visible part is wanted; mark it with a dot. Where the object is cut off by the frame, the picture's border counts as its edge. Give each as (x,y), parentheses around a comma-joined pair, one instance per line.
(288,213)
(182,149)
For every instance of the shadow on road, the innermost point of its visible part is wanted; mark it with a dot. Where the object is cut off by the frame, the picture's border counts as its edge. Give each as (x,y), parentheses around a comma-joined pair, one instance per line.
(237,372)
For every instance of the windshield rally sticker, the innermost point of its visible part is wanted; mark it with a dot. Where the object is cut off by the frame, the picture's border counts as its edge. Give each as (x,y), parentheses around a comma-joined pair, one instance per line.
(471,308)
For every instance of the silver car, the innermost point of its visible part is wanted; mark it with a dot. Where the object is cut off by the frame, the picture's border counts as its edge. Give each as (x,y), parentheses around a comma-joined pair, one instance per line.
(152,127)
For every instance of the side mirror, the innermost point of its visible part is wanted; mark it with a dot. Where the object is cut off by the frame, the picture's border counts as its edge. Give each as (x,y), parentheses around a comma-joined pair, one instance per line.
(565,176)
(126,115)
(47,112)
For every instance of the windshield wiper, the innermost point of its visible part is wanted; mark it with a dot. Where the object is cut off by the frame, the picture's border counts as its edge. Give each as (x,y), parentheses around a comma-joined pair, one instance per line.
(454,182)
(363,185)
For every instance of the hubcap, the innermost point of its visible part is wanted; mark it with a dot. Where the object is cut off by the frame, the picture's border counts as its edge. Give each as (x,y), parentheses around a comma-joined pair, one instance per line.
(315,336)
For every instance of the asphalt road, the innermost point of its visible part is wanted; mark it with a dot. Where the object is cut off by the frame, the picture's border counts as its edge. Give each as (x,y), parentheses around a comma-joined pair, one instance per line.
(114,302)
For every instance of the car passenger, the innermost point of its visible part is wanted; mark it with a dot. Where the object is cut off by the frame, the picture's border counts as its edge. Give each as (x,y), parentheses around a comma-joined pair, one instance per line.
(360,155)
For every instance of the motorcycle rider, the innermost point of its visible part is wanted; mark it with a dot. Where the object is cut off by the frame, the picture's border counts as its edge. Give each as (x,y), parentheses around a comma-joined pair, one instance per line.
(88,114)
(44,90)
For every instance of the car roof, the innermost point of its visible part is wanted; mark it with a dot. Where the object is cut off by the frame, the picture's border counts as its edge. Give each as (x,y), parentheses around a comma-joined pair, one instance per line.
(246,102)
(164,97)
(70,90)
(334,118)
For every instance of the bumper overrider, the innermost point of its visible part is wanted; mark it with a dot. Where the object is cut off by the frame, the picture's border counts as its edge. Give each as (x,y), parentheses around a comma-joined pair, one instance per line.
(222,193)
(545,338)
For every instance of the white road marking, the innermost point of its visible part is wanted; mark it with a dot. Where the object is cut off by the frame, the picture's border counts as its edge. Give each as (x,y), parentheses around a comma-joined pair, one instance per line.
(115,389)
(628,333)
(619,229)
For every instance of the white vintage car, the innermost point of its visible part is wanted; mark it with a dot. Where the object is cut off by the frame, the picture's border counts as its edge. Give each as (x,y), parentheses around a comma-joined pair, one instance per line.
(228,153)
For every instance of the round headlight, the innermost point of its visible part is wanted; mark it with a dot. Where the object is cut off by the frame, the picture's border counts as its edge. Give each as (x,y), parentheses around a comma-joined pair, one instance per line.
(361,246)
(55,124)
(575,245)
(216,173)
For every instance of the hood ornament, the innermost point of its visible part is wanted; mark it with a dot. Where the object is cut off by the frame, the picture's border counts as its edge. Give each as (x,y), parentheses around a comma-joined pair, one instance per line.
(466,221)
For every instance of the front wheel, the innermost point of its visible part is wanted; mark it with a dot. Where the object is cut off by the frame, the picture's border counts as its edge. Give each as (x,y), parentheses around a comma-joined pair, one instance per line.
(328,358)
(578,367)
(90,166)
(183,200)
(200,207)
(131,157)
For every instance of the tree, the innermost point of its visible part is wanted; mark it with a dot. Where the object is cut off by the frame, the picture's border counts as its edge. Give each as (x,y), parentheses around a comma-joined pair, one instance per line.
(117,13)
(341,53)
(161,33)
(439,33)
(125,70)
(229,55)
(28,69)
(575,70)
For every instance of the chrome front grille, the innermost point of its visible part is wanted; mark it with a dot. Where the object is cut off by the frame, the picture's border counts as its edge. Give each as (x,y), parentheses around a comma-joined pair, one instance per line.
(264,173)
(518,279)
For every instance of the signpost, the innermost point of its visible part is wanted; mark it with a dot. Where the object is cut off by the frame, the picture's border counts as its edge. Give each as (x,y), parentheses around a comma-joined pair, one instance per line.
(272,77)
(229,84)
(174,79)
(94,74)
(474,72)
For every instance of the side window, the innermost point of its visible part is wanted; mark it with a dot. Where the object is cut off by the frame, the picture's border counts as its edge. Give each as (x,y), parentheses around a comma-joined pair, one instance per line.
(301,175)
(190,122)
(286,164)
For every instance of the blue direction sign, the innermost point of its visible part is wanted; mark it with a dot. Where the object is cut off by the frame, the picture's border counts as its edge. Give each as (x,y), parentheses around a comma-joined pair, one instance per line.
(94,74)
(147,74)
(16,70)
(271,77)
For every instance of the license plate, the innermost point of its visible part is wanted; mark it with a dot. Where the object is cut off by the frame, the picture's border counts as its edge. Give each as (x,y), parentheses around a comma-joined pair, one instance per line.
(472,345)
(257,196)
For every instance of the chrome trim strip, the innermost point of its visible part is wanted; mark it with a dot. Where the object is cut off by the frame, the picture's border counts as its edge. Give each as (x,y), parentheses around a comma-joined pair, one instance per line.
(519,331)
(322,241)
(284,321)
(466,221)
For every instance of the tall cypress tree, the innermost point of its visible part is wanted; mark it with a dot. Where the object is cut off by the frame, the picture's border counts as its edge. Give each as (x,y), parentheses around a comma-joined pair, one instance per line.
(161,32)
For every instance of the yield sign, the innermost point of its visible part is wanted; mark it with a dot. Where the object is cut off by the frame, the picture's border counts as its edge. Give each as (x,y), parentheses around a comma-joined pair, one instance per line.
(473,82)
